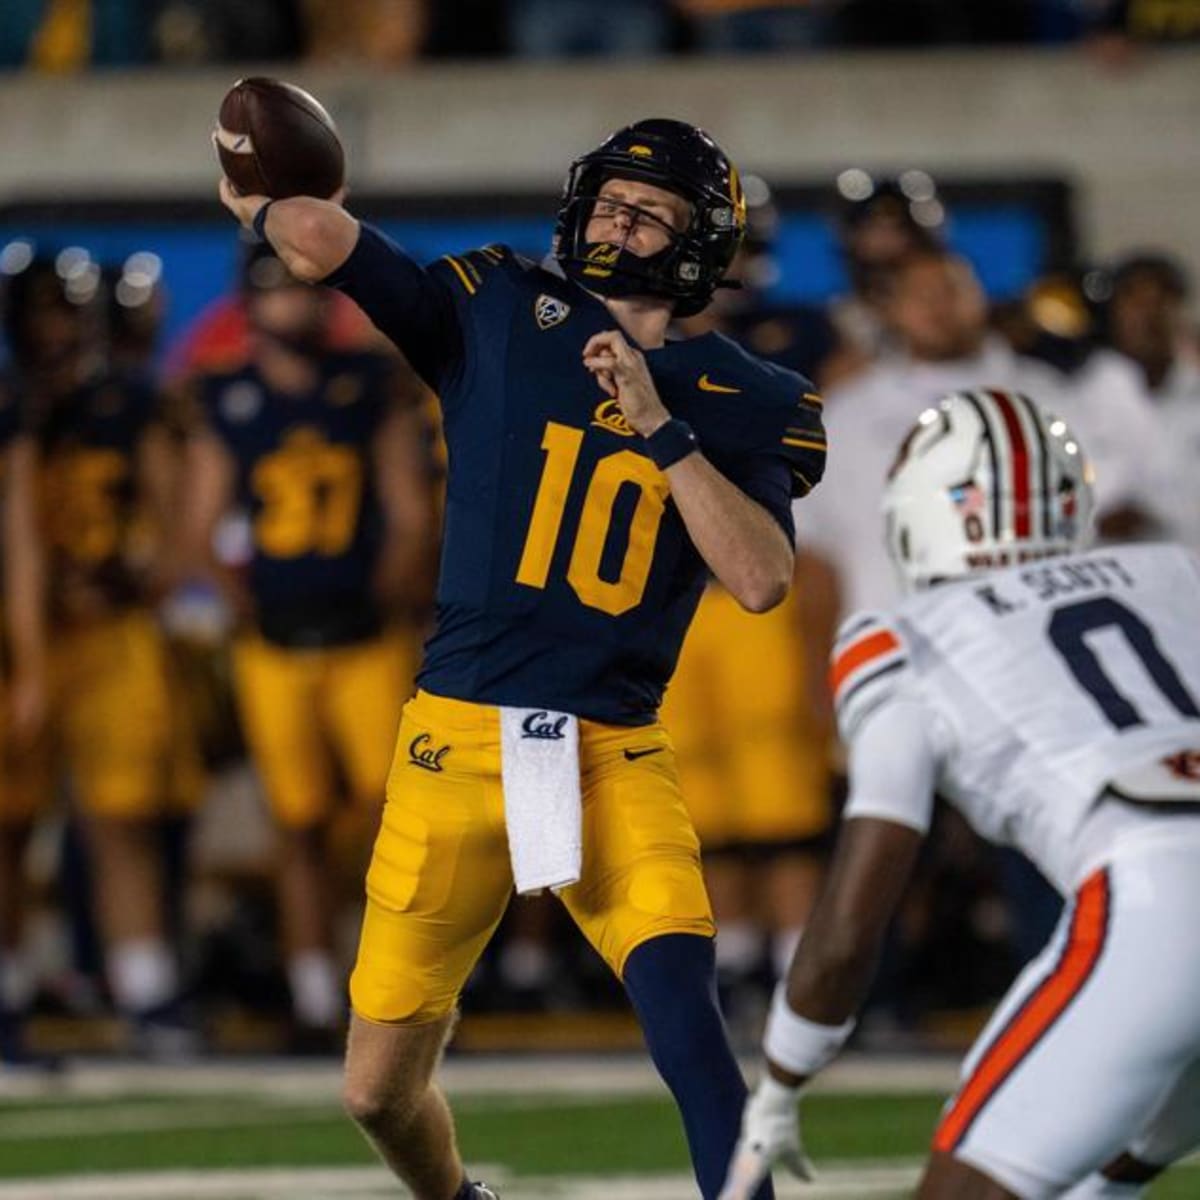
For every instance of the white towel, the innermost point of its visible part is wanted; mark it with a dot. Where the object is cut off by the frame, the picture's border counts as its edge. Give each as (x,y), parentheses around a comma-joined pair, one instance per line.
(543,802)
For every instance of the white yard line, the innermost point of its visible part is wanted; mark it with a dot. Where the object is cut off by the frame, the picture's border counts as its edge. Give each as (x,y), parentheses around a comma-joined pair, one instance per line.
(837,1182)
(224,1112)
(543,1074)
(121,1118)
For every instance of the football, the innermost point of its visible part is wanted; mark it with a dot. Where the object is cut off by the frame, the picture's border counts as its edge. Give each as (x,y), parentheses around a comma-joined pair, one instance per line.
(273,139)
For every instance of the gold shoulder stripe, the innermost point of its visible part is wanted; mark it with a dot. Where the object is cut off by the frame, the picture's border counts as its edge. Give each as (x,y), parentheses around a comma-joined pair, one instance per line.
(495,255)
(813,398)
(808,487)
(805,444)
(462,275)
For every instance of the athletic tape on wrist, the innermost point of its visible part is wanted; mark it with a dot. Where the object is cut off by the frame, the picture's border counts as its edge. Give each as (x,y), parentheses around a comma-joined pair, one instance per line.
(797,1045)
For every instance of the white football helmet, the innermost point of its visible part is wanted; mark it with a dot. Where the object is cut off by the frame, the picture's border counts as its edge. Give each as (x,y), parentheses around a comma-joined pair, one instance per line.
(984,479)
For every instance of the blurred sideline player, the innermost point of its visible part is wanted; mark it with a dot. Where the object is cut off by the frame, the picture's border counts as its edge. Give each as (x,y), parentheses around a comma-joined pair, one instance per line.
(324,451)
(747,712)
(1053,696)
(220,337)
(937,312)
(582,516)
(103,484)
(22,712)
(1147,347)
(879,224)
(753,752)
(797,336)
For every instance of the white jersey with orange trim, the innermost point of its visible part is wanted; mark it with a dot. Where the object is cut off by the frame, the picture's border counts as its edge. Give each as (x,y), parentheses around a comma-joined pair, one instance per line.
(1022,694)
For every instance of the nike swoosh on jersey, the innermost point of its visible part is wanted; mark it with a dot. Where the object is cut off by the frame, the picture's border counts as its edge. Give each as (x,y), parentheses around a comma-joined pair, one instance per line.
(707,385)
(634,755)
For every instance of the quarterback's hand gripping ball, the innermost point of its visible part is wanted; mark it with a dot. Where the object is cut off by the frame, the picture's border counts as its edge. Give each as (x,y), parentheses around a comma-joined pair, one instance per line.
(770,1135)
(274,139)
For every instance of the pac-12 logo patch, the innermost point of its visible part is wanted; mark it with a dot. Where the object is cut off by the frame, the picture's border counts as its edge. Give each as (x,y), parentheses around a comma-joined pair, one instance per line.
(550,311)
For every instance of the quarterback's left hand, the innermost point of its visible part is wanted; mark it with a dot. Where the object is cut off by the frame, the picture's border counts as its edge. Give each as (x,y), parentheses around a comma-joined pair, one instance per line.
(770,1135)
(621,371)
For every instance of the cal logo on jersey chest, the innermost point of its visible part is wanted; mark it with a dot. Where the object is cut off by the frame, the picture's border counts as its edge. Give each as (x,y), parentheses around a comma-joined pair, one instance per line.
(608,415)
(550,311)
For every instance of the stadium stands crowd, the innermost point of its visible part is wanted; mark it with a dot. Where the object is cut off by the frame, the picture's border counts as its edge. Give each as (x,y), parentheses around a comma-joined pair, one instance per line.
(67,35)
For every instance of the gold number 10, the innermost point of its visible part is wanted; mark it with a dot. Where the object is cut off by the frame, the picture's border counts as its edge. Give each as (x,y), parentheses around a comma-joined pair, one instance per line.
(562,444)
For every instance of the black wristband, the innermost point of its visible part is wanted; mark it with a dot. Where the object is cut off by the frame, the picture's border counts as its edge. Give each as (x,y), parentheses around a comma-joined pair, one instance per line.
(671,442)
(259,224)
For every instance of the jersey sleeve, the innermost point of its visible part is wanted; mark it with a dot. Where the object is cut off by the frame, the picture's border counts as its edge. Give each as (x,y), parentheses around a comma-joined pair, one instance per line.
(897,743)
(894,765)
(868,667)
(468,274)
(784,450)
(412,305)
(801,442)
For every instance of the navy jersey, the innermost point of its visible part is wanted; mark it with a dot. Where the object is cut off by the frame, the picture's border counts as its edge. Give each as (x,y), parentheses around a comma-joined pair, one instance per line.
(305,475)
(568,578)
(94,513)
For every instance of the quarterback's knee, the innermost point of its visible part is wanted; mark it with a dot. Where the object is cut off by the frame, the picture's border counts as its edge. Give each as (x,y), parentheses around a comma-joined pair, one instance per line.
(364,1103)
(389,1070)
(375,1104)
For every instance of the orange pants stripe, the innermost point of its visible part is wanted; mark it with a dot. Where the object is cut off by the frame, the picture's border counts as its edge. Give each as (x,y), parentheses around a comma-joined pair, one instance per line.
(1037,1015)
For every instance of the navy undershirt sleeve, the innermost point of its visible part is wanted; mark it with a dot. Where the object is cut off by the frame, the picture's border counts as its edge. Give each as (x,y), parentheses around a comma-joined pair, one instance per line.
(407,303)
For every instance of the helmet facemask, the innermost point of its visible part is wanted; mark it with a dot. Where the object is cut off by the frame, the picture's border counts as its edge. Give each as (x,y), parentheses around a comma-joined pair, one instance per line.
(682,160)
(611,268)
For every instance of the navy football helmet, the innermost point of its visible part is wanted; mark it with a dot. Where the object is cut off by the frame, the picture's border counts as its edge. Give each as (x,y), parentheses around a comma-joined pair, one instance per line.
(684,160)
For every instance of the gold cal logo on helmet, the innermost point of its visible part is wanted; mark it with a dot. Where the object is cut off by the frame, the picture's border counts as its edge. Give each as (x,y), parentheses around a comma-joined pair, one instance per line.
(641,151)
(601,258)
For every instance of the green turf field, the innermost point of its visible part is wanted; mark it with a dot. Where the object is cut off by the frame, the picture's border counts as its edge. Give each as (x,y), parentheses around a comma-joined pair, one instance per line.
(522,1138)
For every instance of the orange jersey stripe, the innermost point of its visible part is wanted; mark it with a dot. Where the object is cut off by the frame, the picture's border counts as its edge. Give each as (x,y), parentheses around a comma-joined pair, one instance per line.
(859,652)
(1037,1015)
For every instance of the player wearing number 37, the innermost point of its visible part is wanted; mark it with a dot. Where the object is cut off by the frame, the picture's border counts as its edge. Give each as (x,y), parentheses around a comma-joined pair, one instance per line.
(1053,695)
(597,474)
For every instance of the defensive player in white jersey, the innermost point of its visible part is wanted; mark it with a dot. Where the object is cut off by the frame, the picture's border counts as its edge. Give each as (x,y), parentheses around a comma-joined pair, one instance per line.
(1056,702)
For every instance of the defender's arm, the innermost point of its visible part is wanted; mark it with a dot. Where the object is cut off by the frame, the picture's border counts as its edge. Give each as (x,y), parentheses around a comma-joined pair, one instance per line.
(894,762)
(836,959)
